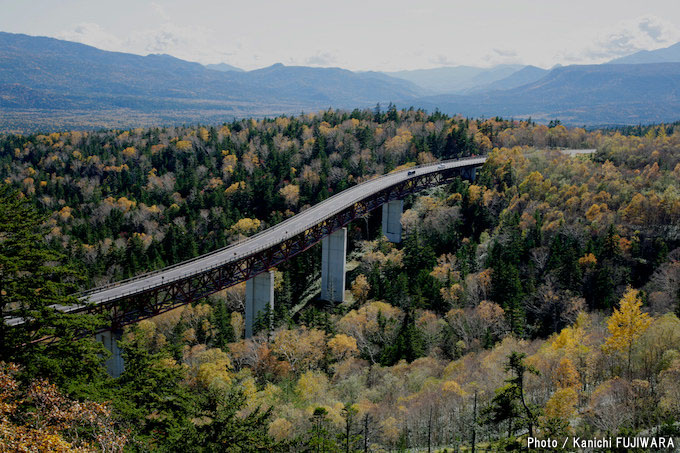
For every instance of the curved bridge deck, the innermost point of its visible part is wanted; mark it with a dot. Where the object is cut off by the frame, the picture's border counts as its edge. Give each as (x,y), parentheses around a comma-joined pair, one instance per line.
(149,294)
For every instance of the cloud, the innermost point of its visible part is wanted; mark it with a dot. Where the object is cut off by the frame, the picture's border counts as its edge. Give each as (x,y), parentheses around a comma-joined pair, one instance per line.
(169,38)
(501,56)
(161,11)
(321,59)
(642,33)
(188,43)
(652,28)
(93,35)
(505,53)
(442,60)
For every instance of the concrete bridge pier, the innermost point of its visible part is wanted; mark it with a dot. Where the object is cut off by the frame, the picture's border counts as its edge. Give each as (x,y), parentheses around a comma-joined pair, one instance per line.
(259,297)
(333,257)
(391,220)
(468,173)
(114,365)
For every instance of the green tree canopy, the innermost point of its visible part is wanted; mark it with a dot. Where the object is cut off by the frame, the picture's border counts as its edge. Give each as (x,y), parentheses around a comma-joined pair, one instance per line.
(33,280)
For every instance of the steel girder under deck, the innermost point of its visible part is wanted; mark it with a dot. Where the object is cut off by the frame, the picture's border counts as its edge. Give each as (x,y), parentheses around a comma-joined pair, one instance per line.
(151,302)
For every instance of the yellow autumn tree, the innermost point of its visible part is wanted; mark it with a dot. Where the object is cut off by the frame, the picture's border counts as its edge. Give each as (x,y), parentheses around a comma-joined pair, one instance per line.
(246,226)
(183,145)
(452,294)
(451,387)
(229,162)
(130,152)
(587,260)
(342,346)
(372,325)
(290,194)
(312,387)
(559,409)
(445,270)
(300,348)
(566,374)
(234,187)
(391,429)
(626,325)
(238,324)
(281,429)
(360,288)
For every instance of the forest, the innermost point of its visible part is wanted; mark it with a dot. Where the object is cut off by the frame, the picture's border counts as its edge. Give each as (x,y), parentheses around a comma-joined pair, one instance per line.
(540,299)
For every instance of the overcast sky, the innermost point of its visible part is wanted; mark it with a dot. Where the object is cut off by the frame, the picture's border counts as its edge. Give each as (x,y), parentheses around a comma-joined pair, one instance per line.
(357,34)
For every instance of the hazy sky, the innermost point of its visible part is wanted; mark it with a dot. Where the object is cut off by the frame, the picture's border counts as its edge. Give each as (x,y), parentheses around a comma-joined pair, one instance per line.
(357,34)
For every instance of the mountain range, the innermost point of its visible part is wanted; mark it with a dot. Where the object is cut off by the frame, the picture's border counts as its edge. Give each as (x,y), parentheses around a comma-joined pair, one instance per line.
(669,54)
(224,67)
(47,83)
(455,79)
(581,94)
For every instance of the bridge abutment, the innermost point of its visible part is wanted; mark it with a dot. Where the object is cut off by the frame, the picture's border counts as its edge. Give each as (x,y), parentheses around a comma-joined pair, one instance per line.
(333,257)
(259,297)
(391,220)
(114,365)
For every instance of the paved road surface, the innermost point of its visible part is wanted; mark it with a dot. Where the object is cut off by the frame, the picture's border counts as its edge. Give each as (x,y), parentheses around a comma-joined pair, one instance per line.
(576,152)
(278,233)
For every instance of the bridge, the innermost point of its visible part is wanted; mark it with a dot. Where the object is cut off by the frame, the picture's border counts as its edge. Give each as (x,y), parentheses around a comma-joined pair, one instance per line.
(252,259)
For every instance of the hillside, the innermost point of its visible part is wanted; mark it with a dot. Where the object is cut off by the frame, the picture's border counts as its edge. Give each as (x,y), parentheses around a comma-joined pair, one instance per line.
(455,79)
(224,67)
(524,76)
(48,84)
(589,94)
(54,76)
(669,54)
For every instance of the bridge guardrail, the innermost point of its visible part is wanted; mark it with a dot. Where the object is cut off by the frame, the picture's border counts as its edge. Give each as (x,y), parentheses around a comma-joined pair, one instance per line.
(83,295)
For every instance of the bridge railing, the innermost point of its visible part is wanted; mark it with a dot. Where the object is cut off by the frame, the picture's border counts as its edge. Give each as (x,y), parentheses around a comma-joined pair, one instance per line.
(84,295)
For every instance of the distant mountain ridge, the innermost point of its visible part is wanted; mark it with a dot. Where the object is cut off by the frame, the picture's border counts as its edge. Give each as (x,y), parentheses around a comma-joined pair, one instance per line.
(224,67)
(669,54)
(47,83)
(581,94)
(526,75)
(455,79)
(46,73)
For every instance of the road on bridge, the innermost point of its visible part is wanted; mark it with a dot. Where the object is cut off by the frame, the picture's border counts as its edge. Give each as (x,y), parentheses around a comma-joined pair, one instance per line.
(276,234)
(280,232)
(268,238)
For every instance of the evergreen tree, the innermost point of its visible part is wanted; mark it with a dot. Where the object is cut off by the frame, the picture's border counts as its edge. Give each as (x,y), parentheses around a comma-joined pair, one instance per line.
(222,320)
(151,389)
(32,281)
(223,429)
(408,345)
(509,403)
(349,440)
(506,285)
(320,439)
